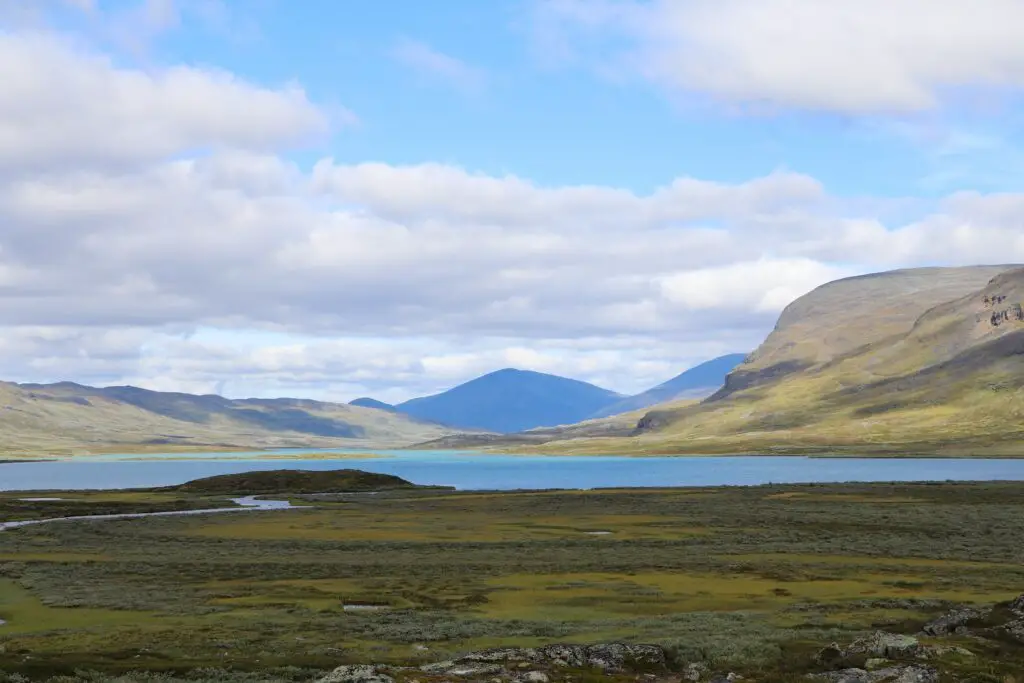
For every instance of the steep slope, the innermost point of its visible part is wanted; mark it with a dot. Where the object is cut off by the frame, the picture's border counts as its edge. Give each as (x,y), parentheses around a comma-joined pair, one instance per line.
(844,315)
(67,418)
(698,382)
(366,402)
(512,400)
(927,361)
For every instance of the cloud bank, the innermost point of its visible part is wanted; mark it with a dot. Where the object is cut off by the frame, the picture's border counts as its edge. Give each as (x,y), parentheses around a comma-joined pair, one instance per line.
(154,231)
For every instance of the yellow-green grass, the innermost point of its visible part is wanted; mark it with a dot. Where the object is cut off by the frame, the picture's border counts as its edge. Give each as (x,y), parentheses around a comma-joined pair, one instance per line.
(341,525)
(25,613)
(704,570)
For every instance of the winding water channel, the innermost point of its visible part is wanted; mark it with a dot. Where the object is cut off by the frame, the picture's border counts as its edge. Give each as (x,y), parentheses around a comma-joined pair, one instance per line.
(246,504)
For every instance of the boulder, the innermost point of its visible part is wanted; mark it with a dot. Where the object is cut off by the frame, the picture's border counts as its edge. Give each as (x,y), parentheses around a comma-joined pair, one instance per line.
(905,674)
(1013,630)
(608,657)
(1017,605)
(693,673)
(885,645)
(357,673)
(533,677)
(953,622)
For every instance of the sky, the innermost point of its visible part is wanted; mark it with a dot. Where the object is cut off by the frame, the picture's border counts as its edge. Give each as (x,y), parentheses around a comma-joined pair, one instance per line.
(389,197)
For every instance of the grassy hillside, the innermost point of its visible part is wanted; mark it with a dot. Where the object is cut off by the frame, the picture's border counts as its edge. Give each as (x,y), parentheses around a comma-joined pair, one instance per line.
(926,361)
(294,481)
(68,418)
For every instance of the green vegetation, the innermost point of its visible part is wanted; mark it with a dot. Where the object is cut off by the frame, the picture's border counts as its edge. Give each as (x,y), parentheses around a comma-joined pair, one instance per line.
(294,481)
(753,579)
(68,419)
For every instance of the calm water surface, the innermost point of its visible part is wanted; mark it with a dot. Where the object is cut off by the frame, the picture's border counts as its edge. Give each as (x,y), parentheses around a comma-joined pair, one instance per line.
(500,472)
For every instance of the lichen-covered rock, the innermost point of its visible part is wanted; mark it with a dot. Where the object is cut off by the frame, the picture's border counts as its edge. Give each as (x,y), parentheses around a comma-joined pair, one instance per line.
(726,678)
(885,645)
(501,654)
(609,657)
(909,674)
(1017,605)
(1013,630)
(844,676)
(357,673)
(932,651)
(693,673)
(533,677)
(954,622)
(906,674)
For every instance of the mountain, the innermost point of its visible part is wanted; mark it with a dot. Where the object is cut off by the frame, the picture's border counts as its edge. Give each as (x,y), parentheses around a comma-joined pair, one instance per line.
(512,400)
(366,402)
(697,382)
(916,361)
(68,417)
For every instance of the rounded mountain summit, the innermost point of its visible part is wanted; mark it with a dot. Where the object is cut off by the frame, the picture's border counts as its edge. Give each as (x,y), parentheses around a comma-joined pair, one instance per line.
(512,400)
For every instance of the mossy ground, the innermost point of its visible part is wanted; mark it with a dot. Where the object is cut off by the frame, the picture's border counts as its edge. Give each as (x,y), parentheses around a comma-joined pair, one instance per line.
(745,577)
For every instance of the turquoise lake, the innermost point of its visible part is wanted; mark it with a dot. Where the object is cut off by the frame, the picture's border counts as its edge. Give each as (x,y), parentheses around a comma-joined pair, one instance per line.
(466,470)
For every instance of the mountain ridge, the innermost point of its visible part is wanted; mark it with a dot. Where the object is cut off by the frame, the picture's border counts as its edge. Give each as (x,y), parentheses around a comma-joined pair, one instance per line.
(699,381)
(908,362)
(67,417)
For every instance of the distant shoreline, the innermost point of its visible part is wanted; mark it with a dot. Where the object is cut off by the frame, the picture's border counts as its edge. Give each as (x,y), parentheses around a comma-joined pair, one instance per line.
(268,454)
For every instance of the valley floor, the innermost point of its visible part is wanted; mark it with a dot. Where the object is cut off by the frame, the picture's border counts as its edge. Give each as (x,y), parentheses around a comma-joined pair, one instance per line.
(753,580)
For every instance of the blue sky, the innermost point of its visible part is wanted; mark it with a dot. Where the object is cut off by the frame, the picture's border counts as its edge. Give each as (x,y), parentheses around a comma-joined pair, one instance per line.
(504,107)
(339,198)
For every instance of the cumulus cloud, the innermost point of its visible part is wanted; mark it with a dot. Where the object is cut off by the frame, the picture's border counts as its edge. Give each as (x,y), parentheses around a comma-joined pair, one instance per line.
(63,106)
(851,56)
(151,232)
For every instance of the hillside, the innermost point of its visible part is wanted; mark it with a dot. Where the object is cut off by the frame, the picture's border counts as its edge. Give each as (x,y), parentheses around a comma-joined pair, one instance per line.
(511,401)
(293,481)
(923,361)
(68,418)
(699,381)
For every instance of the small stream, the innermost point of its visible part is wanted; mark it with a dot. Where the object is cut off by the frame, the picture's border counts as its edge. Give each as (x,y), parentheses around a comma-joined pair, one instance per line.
(246,504)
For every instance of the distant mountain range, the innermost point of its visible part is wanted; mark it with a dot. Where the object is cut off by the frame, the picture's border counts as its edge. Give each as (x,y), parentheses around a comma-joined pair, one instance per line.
(70,418)
(511,400)
(697,382)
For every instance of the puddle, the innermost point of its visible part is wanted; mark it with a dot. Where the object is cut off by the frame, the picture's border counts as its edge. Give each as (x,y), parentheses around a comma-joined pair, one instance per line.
(247,504)
(598,533)
(365,608)
(38,500)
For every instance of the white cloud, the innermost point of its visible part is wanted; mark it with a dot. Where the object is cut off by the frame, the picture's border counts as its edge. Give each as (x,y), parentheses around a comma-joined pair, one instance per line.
(433,64)
(854,56)
(138,206)
(61,105)
(762,286)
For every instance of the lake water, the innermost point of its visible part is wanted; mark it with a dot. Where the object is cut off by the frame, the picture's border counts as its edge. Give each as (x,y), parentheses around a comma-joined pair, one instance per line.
(503,472)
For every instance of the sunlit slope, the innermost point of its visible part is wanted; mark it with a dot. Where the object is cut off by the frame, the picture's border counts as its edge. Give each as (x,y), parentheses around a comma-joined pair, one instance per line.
(70,418)
(877,364)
